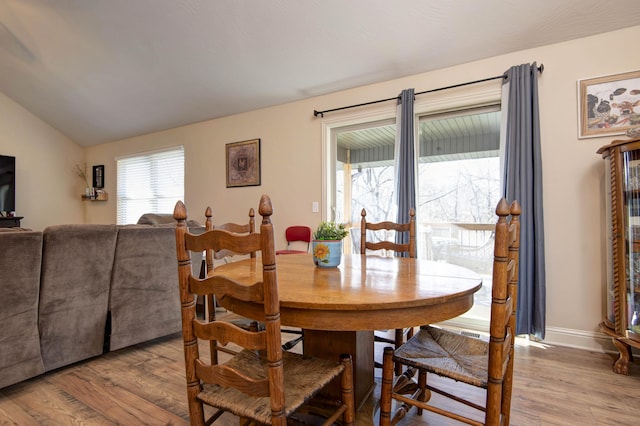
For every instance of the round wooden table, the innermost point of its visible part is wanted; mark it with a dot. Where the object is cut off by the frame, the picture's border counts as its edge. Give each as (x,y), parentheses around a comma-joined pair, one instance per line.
(363,293)
(339,308)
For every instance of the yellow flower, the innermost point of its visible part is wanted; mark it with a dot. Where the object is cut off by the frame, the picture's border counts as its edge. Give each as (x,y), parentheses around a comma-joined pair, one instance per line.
(321,251)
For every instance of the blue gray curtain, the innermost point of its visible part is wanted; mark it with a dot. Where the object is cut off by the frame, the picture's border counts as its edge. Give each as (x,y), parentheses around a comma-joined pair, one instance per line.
(405,162)
(522,168)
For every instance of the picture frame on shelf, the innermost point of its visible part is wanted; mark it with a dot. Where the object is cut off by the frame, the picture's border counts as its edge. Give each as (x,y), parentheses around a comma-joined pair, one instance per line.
(243,163)
(608,105)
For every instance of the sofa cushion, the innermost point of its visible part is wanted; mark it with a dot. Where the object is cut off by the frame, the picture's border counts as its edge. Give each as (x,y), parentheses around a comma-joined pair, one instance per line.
(20,357)
(163,218)
(15,229)
(76,272)
(144,302)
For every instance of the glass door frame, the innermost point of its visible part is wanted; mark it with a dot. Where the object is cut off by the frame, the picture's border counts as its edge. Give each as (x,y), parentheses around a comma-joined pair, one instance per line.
(472,96)
(454,100)
(329,148)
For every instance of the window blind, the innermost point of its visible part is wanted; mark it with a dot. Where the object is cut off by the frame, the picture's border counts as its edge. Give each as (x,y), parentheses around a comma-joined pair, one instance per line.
(149,183)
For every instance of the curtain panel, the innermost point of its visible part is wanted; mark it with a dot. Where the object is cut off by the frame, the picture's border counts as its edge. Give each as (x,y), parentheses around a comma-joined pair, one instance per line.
(405,162)
(522,180)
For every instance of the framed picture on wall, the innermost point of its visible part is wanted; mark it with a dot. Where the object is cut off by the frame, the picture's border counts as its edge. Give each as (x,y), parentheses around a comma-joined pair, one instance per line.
(98,176)
(243,163)
(608,105)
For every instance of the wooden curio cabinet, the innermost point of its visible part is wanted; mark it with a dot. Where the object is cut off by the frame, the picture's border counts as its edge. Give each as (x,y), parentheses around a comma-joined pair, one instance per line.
(622,186)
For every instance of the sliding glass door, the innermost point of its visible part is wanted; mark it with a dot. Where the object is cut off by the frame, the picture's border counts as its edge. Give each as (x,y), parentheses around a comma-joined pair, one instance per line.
(458,187)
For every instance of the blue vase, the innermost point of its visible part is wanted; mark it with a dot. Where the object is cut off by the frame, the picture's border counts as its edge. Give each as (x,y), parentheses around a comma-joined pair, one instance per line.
(326,254)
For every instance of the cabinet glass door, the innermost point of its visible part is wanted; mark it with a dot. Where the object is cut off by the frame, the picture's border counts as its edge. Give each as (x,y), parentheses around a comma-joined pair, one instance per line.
(631,185)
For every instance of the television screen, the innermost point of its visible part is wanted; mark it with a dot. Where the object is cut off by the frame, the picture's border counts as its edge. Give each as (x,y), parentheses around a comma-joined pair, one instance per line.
(7,183)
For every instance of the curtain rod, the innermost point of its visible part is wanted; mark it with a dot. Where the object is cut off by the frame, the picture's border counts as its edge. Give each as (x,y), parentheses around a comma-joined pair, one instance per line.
(321,113)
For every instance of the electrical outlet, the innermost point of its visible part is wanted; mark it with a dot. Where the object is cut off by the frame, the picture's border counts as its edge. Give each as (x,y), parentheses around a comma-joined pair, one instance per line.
(315,208)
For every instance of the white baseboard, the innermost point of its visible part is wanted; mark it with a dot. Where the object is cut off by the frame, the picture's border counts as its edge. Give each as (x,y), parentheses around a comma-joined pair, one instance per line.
(579,339)
(557,336)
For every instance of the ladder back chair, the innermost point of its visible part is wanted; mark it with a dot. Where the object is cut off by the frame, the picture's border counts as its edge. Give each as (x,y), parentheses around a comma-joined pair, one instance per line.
(302,234)
(295,234)
(262,383)
(408,248)
(236,228)
(211,256)
(470,360)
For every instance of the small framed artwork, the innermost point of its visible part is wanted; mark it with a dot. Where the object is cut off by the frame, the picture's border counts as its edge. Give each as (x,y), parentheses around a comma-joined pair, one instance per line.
(243,163)
(608,105)
(98,176)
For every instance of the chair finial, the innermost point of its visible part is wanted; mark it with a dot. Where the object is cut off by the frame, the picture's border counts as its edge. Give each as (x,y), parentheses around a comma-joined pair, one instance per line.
(516,210)
(503,207)
(265,208)
(179,211)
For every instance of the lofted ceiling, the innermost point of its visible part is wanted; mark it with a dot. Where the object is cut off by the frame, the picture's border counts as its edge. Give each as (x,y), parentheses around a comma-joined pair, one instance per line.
(103,70)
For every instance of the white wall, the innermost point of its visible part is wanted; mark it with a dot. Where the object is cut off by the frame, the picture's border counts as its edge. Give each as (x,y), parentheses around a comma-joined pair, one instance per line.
(291,167)
(47,192)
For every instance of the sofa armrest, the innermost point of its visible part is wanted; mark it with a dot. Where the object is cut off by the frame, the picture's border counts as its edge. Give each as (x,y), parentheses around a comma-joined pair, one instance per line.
(20,357)
(74,293)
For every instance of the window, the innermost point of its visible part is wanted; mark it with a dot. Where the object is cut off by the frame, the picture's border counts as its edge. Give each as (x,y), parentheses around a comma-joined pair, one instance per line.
(364,171)
(458,184)
(149,183)
(459,187)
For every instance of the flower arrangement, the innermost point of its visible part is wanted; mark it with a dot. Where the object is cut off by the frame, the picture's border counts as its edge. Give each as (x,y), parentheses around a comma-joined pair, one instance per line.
(330,231)
(327,244)
(80,170)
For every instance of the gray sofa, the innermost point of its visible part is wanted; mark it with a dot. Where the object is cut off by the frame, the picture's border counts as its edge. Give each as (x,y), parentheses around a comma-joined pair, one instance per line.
(143,277)
(19,290)
(76,291)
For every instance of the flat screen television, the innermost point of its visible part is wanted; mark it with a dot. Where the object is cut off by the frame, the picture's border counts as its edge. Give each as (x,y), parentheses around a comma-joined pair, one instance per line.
(7,183)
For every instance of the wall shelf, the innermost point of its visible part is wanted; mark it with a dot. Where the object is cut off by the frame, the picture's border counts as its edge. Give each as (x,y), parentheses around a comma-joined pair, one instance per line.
(101,196)
(10,222)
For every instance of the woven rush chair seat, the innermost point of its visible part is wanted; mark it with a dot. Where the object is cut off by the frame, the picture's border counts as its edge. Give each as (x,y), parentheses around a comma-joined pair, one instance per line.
(303,376)
(474,361)
(446,353)
(260,382)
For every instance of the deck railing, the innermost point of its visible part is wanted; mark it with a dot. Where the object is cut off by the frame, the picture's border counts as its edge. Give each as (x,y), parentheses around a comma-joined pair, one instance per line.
(465,244)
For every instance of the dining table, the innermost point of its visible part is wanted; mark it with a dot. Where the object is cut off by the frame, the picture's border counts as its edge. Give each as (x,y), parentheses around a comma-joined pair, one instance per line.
(339,308)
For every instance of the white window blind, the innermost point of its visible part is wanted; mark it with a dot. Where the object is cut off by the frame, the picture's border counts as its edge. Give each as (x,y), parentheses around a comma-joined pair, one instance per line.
(149,183)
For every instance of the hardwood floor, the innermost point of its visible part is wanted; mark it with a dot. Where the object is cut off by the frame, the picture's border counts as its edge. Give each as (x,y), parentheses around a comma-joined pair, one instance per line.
(144,384)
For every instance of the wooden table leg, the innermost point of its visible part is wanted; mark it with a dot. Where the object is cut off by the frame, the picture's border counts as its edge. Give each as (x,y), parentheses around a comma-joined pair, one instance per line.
(330,344)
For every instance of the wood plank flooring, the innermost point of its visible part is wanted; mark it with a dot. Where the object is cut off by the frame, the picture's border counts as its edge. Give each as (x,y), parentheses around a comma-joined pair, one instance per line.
(144,384)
